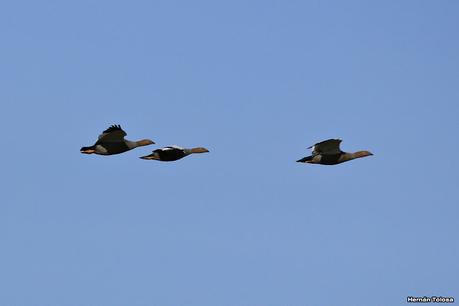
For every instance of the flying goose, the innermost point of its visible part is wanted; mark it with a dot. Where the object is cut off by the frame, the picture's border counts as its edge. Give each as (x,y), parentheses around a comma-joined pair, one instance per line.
(328,152)
(112,141)
(172,153)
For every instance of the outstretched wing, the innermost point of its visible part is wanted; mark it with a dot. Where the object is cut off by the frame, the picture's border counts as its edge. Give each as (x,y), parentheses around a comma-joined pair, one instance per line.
(330,146)
(113,134)
(169,148)
(175,147)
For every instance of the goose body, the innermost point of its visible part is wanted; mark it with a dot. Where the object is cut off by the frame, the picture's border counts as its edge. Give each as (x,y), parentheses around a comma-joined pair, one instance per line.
(112,141)
(328,152)
(173,153)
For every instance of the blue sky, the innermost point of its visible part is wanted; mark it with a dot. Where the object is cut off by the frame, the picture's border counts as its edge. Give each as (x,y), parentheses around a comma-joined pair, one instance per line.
(256,82)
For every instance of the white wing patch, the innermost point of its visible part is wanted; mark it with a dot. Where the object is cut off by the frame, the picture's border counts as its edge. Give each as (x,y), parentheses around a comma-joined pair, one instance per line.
(173,147)
(314,151)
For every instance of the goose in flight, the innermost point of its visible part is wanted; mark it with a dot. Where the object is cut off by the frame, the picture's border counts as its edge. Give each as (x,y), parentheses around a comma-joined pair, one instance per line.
(328,152)
(112,141)
(172,153)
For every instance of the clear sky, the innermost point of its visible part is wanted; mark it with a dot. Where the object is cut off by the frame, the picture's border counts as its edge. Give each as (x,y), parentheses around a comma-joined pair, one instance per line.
(256,82)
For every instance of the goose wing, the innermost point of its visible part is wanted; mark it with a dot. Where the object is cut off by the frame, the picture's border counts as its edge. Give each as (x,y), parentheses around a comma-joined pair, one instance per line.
(169,148)
(329,146)
(113,134)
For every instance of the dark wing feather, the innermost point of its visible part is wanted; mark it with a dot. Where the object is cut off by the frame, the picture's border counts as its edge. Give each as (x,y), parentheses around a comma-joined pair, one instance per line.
(304,159)
(329,146)
(112,128)
(170,153)
(113,133)
(166,149)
